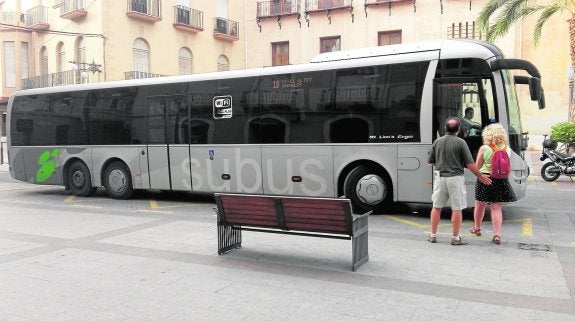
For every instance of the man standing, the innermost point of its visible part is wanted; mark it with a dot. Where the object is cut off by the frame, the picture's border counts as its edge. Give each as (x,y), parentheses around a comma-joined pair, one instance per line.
(450,155)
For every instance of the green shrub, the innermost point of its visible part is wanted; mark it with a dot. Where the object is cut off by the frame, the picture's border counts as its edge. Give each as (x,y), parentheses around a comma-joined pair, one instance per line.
(563,132)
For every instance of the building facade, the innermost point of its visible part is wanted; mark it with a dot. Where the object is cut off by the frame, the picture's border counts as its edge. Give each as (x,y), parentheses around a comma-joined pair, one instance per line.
(57,42)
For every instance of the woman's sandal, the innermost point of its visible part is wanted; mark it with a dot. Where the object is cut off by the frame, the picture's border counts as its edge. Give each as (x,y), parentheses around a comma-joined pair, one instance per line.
(476,231)
(496,239)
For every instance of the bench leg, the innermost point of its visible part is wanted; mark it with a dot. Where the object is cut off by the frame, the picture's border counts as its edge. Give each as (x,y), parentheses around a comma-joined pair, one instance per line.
(360,251)
(229,238)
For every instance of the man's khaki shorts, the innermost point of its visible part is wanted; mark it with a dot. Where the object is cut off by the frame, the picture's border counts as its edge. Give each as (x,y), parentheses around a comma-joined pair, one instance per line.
(449,191)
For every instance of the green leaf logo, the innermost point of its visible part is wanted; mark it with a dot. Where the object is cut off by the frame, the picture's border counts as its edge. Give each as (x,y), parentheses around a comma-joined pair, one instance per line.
(47,164)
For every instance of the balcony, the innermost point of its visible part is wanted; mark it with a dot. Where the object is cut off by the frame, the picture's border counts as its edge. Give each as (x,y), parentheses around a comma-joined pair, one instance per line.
(226,29)
(67,77)
(13,18)
(188,19)
(146,10)
(72,9)
(325,5)
(37,18)
(467,30)
(381,2)
(140,75)
(274,9)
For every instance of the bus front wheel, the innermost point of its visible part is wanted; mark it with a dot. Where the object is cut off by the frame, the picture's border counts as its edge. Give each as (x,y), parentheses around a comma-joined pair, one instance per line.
(367,189)
(79,179)
(118,180)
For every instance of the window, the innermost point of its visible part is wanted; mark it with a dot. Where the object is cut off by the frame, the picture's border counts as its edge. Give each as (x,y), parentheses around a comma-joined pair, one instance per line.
(329,44)
(280,53)
(61,60)
(223,63)
(43,61)
(385,38)
(80,51)
(141,54)
(185,61)
(25,60)
(10,63)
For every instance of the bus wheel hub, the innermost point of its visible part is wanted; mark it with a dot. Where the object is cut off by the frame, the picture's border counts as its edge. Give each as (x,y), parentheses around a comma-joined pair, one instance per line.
(370,189)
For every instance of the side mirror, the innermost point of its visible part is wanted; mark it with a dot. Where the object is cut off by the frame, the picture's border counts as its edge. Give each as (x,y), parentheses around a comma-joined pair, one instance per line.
(541,101)
(535,89)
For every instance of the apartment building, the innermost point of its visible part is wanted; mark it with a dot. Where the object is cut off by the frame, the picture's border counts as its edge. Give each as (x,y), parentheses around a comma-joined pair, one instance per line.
(292,32)
(56,42)
(59,42)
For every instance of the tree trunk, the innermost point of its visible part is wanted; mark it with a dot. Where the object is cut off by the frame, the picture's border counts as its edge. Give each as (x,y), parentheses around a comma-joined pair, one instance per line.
(571,103)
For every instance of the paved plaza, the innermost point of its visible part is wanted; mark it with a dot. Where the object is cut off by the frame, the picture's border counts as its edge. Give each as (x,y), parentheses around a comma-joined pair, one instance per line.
(154,257)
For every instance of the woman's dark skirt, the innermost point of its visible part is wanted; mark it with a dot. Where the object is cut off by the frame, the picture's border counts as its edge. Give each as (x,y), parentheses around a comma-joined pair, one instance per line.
(500,191)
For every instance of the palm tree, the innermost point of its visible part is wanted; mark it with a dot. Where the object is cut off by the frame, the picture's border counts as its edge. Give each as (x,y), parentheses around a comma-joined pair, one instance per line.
(506,12)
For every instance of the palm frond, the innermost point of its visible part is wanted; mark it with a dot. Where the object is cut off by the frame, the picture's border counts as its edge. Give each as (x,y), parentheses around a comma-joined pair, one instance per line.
(490,8)
(547,13)
(510,12)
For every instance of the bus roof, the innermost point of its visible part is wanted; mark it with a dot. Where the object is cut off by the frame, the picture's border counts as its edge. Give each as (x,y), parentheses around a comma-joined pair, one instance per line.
(428,50)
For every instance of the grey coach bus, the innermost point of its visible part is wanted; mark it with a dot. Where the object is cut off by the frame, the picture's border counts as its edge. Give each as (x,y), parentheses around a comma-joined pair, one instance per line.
(357,123)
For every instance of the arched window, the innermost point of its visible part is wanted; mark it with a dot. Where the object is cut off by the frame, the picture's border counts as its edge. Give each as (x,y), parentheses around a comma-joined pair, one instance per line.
(80,51)
(223,63)
(185,61)
(141,54)
(43,61)
(61,57)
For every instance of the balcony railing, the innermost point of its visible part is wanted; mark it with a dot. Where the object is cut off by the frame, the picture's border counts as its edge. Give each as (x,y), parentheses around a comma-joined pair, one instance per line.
(377,2)
(272,9)
(226,29)
(37,18)
(12,18)
(322,5)
(148,10)
(140,75)
(188,19)
(72,9)
(67,77)
(464,30)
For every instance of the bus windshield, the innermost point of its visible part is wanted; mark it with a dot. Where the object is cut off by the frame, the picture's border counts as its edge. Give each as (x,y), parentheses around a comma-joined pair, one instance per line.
(512,103)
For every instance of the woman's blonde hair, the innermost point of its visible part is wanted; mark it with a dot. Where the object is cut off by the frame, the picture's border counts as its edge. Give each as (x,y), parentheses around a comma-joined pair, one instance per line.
(494,134)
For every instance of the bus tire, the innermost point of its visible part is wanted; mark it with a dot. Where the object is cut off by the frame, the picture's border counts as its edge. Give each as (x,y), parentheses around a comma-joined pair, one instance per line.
(118,180)
(368,190)
(79,179)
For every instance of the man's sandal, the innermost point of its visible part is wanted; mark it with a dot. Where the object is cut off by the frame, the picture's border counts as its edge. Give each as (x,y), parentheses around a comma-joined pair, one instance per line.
(476,231)
(432,239)
(496,239)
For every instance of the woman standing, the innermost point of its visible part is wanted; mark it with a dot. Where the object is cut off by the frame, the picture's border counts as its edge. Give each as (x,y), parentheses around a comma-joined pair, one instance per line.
(500,191)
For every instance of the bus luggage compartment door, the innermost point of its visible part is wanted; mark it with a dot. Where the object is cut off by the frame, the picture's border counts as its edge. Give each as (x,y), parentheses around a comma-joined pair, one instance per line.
(414,176)
(226,169)
(298,170)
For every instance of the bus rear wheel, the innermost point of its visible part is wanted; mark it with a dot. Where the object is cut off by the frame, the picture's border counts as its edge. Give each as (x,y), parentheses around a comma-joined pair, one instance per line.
(118,180)
(79,179)
(367,189)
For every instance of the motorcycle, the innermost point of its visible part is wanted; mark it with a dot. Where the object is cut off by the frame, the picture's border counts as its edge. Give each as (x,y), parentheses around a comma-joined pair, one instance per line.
(559,163)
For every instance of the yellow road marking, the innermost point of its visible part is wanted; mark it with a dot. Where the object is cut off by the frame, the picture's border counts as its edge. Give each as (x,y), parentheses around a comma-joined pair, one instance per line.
(154,205)
(404,221)
(70,199)
(154,211)
(88,206)
(527,227)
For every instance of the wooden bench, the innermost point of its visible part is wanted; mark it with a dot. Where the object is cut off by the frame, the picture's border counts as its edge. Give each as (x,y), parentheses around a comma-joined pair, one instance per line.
(317,217)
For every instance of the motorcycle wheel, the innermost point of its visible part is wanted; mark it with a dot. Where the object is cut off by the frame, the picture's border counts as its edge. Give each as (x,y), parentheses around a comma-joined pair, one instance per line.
(547,175)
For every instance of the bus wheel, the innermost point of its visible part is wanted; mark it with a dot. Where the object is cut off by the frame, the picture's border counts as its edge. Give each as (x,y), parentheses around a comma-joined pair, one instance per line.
(368,190)
(79,179)
(118,180)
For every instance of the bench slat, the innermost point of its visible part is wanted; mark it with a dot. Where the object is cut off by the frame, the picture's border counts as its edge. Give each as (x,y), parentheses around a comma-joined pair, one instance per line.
(317,228)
